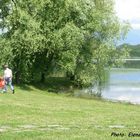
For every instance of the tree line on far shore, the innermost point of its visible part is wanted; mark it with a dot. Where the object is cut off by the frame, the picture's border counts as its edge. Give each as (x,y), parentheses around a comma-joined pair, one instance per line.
(134,53)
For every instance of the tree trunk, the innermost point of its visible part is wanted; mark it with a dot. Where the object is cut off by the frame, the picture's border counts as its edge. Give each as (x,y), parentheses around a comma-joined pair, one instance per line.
(70,76)
(17,77)
(42,80)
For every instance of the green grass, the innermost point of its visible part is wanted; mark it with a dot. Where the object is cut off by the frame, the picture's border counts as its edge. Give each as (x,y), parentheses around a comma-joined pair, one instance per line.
(35,114)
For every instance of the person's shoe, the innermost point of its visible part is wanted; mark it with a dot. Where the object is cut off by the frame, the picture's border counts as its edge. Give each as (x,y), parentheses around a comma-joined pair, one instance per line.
(13,91)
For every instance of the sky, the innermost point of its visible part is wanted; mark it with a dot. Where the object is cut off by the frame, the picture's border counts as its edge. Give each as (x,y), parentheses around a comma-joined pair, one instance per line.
(130,10)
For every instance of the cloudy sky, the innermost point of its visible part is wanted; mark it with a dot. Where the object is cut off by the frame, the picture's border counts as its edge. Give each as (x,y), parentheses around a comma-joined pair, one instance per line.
(130,10)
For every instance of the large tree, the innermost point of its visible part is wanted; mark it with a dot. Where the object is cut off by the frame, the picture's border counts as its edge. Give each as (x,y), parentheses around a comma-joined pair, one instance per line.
(76,37)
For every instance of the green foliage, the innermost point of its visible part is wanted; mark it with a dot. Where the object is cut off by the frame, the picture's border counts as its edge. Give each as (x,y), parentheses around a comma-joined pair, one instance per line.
(74,37)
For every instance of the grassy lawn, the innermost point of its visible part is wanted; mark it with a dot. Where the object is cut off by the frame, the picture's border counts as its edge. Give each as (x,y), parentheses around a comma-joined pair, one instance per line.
(34,114)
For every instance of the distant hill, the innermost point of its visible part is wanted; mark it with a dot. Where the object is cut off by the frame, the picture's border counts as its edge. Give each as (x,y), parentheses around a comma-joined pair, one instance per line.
(133,37)
(134,53)
(134,49)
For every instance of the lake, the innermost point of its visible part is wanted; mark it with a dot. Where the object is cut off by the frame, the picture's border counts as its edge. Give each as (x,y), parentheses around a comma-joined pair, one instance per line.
(123,84)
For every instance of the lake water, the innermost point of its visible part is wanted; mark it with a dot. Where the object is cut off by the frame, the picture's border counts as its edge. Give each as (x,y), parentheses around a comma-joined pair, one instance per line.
(123,85)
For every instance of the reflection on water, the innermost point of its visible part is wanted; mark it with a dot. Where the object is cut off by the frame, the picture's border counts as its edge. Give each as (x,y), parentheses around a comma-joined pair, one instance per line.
(123,85)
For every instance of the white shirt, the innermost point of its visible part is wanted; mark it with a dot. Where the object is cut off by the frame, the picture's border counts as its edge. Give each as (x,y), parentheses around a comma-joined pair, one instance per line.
(7,73)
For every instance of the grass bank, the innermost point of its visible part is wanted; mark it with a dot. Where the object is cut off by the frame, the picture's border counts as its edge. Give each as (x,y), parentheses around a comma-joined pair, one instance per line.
(35,114)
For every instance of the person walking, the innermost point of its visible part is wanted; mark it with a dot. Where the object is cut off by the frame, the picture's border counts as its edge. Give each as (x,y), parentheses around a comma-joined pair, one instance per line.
(8,78)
